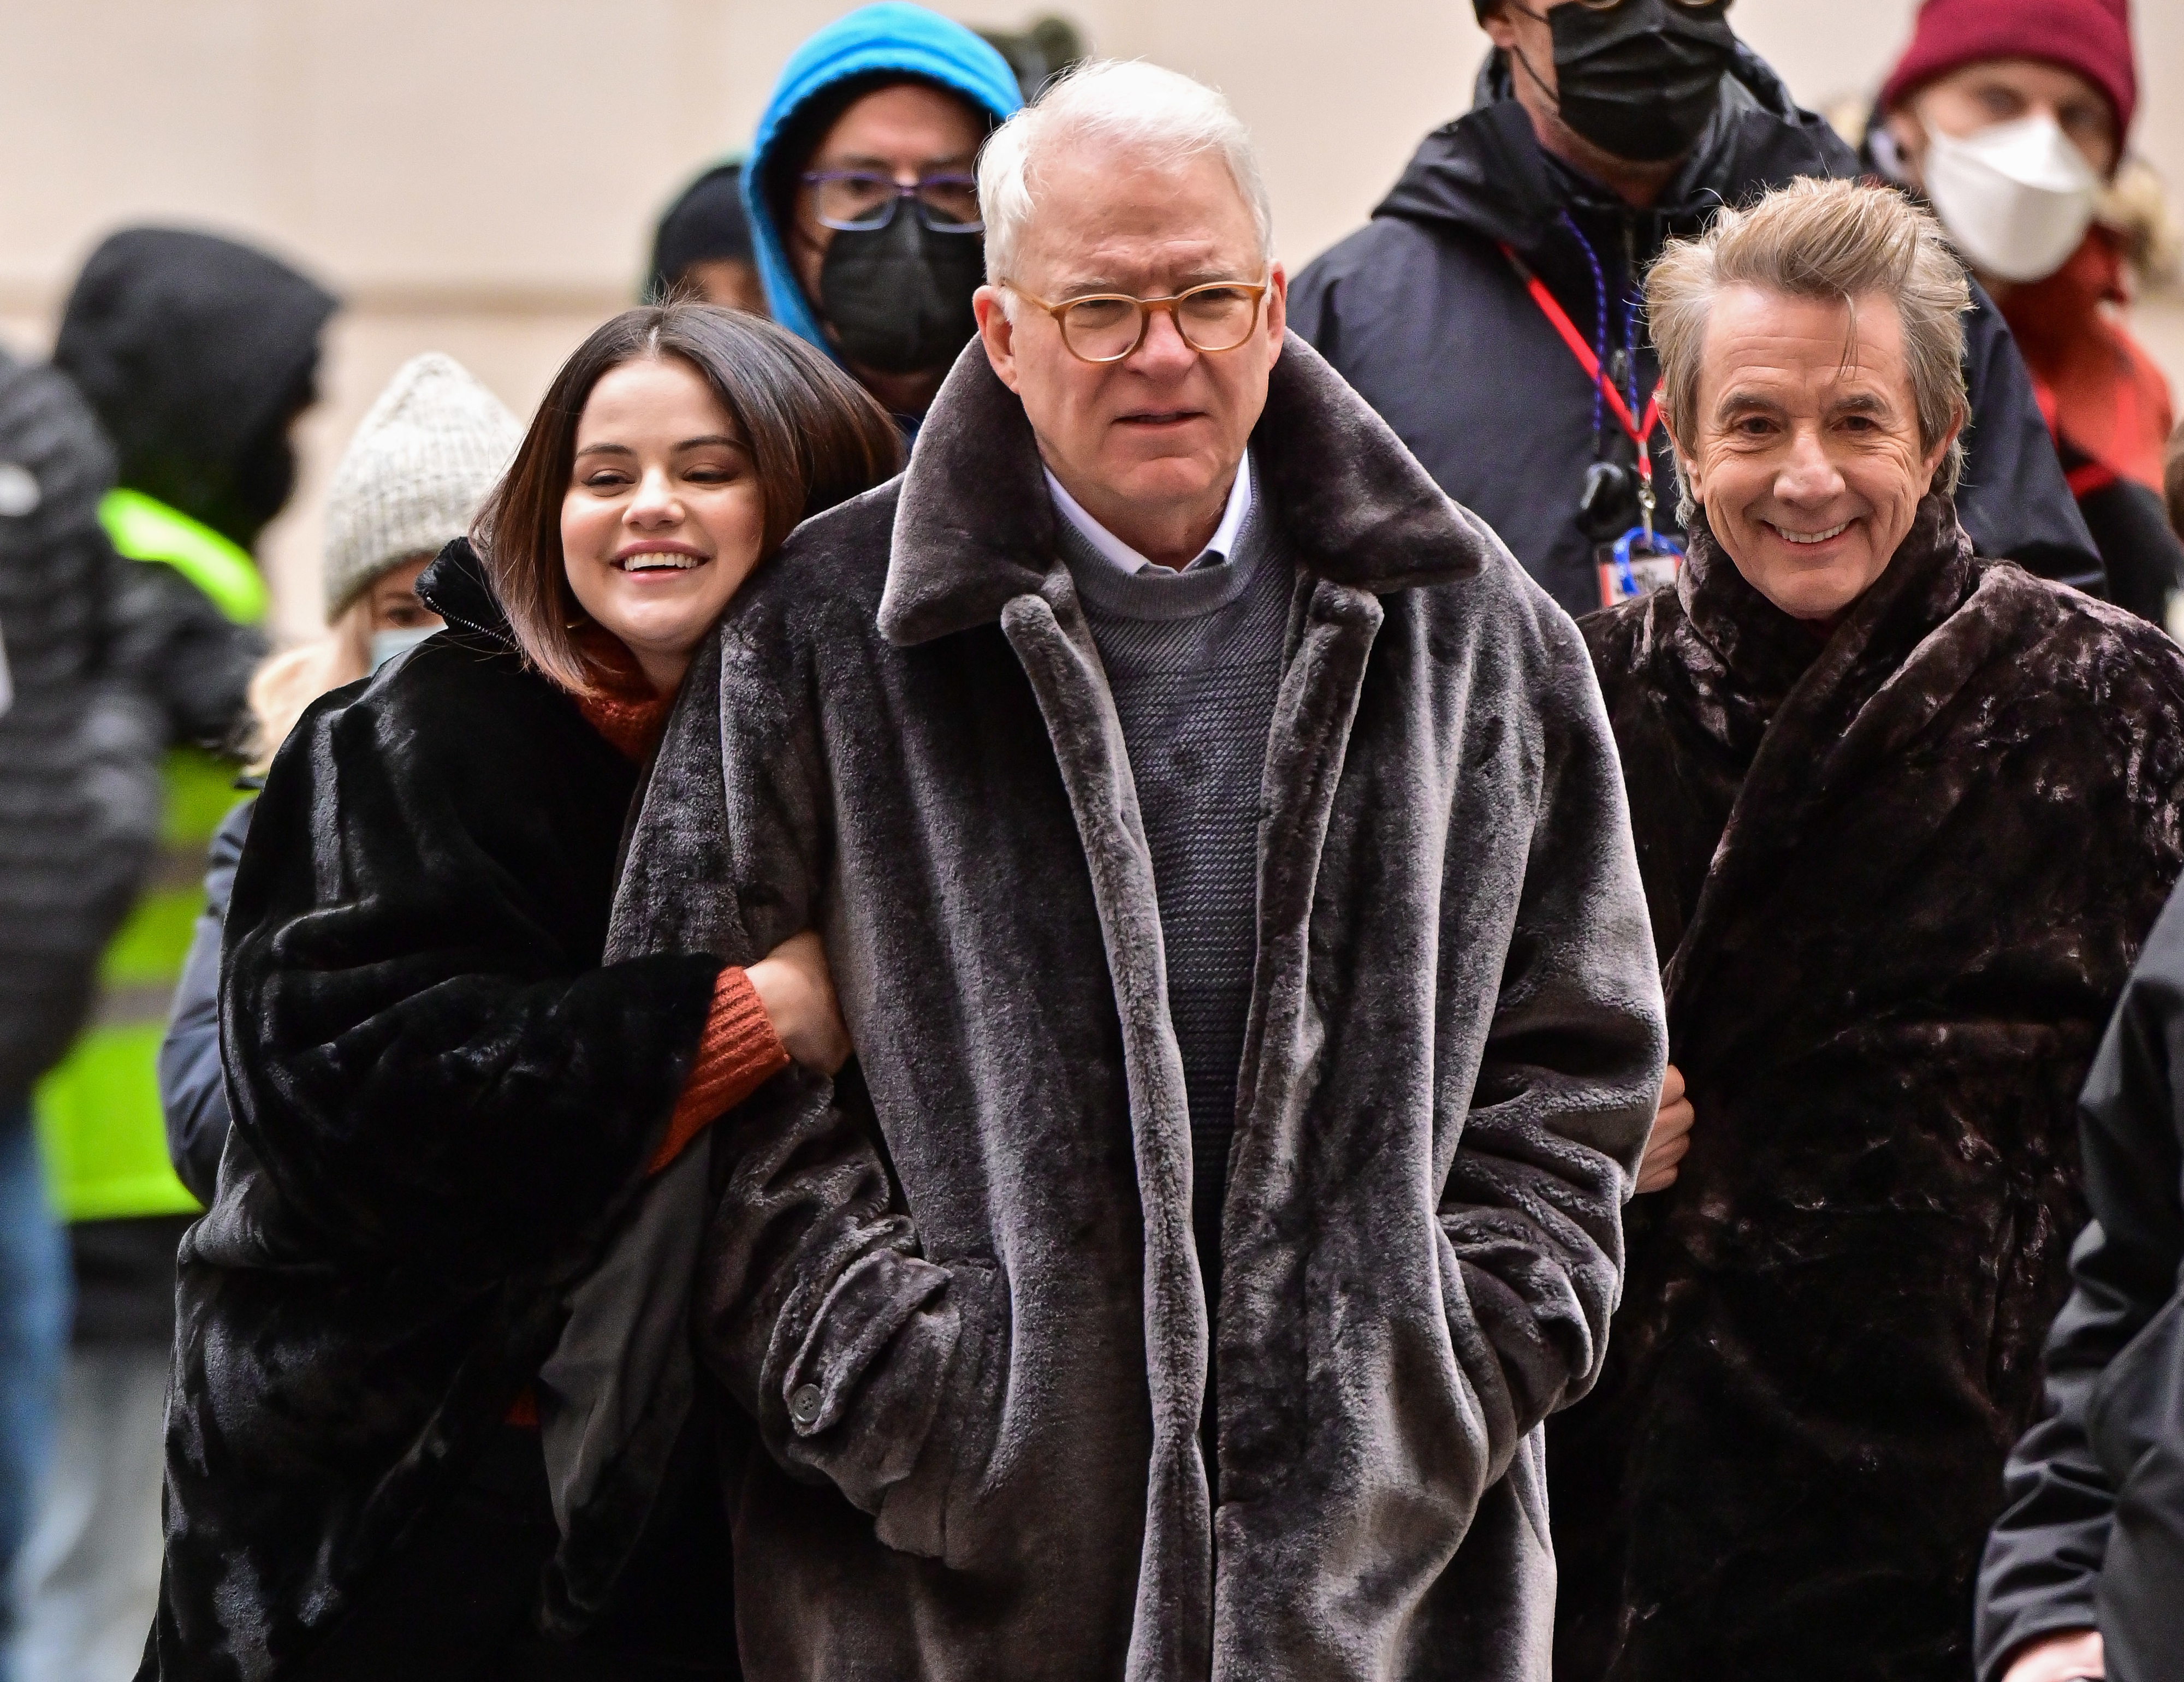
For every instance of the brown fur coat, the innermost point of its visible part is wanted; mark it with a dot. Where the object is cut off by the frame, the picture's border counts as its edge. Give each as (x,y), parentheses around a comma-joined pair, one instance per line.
(1897,878)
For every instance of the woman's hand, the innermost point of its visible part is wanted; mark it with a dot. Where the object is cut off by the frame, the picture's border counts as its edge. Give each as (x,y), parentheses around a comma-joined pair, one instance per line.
(2065,1657)
(797,988)
(1670,1138)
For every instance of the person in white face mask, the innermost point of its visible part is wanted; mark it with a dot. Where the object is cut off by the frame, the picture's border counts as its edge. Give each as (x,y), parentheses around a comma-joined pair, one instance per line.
(2009,117)
(423,458)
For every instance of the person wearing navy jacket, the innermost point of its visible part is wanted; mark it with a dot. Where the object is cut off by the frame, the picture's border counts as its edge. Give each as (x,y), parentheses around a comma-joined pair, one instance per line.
(1662,117)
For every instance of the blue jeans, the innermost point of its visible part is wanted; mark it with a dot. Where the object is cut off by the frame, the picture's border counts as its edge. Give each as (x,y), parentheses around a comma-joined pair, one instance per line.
(34,1332)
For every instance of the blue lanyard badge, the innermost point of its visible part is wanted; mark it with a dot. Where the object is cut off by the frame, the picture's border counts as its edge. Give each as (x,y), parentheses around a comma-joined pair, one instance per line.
(1637,564)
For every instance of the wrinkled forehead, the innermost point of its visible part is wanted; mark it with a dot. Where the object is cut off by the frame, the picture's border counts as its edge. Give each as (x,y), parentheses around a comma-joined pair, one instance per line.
(1107,215)
(1758,337)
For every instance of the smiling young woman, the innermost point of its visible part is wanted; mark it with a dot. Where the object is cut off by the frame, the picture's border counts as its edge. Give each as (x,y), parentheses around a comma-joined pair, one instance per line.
(678,434)
(442,1091)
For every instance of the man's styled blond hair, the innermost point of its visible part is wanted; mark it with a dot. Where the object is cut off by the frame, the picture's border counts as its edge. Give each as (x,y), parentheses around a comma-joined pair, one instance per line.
(1821,239)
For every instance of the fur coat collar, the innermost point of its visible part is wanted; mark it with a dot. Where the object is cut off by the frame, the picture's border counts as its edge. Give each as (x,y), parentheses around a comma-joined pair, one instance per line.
(1356,506)
(1897,876)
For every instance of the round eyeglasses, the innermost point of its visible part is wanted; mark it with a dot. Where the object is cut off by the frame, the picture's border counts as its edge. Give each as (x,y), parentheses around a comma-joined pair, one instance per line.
(856,200)
(1107,326)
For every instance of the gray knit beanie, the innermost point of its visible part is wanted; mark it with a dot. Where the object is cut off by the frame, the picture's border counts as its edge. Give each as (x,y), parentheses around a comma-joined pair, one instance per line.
(413,476)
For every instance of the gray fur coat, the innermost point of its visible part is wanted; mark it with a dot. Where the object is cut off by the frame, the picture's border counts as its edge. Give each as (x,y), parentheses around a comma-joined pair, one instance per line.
(956,1289)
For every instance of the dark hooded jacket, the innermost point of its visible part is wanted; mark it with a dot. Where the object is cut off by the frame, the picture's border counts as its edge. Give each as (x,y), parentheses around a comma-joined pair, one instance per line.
(1898,876)
(961,1297)
(196,352)
(439,1097)
(1420,311)
(2093,1536)
(80,739)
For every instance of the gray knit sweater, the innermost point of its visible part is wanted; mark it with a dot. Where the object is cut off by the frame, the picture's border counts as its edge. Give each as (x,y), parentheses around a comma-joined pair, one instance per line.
(1194,658)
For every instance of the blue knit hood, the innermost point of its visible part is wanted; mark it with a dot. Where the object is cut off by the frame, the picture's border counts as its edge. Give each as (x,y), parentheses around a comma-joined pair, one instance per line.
(891,35)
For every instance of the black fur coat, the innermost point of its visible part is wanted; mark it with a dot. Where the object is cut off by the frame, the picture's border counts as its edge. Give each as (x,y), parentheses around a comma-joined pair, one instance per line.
(438,1095)
(966,1310)
(1897,878)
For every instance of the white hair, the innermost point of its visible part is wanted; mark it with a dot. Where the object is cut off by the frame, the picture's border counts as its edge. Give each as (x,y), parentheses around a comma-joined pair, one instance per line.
(1125,103)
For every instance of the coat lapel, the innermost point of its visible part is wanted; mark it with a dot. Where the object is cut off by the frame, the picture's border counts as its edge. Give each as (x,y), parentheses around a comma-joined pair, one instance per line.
(1313,711)
(1284,1035)
(1172,1631)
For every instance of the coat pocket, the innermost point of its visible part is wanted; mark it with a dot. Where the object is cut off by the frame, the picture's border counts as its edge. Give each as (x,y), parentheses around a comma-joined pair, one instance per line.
(931,1511)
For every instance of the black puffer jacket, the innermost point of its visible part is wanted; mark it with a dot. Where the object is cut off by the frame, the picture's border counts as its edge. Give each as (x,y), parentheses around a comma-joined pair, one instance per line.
(1420,312)
(439,1096)
(79,747)
(2093,1536)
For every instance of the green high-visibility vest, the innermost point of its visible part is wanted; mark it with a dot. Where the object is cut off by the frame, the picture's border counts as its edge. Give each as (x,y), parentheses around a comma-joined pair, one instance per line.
(101,1126)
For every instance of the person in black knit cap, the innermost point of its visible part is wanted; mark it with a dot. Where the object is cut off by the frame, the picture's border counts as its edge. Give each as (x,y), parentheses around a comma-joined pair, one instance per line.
(703,247)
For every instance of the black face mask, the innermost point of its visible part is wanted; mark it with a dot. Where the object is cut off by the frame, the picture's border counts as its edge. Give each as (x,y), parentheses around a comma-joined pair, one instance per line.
(1640,80)
(899,298)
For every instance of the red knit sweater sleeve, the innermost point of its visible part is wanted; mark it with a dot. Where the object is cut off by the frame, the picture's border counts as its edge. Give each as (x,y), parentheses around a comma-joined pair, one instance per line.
(739,1052)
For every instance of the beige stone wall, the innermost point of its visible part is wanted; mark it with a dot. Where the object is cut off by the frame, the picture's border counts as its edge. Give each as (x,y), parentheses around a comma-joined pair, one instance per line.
(480,176)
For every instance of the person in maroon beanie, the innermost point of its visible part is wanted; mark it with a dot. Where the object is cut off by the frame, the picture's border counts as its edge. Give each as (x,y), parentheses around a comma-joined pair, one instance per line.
(2009,116)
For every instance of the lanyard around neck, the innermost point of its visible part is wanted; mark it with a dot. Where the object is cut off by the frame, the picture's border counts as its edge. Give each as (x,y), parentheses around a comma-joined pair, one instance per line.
(1639,429)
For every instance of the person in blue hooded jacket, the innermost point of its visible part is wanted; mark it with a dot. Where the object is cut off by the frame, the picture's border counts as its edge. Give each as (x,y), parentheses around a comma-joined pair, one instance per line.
(863,211)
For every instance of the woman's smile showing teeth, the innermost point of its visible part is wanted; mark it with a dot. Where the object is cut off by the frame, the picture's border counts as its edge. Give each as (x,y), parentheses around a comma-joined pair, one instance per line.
(661,559)
(1790,537)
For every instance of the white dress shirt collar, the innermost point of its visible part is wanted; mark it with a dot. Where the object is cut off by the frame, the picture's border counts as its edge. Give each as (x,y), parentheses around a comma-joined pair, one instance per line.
(1220,547)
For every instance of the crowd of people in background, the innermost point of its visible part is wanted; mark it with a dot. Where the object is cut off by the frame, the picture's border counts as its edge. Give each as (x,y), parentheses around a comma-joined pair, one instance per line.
(964,973)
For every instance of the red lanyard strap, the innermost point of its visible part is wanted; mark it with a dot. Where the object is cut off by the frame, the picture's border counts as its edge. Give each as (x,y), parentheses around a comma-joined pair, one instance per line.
(1637,430)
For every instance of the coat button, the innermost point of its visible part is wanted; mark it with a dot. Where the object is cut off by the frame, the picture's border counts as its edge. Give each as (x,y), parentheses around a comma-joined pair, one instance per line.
(804,1405)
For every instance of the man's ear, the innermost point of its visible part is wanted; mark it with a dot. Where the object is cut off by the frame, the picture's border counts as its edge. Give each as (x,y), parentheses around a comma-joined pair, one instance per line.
(1278,307)
(1687,468)
(1909,135)
(996,332)
(1940,452)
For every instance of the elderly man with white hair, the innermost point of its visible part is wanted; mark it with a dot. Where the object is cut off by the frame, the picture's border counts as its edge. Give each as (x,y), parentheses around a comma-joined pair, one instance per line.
(1218,844)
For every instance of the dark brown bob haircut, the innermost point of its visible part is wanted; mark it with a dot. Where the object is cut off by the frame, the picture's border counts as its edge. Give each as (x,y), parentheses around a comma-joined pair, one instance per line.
(815,437)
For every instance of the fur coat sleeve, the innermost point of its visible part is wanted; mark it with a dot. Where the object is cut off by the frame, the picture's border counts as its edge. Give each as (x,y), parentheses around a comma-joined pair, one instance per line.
(817,1308)
(426,1059)
(1573,1056)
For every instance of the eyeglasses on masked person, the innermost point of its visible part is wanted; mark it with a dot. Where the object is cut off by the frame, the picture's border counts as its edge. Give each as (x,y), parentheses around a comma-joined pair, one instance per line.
(858,200)
(1104,327)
